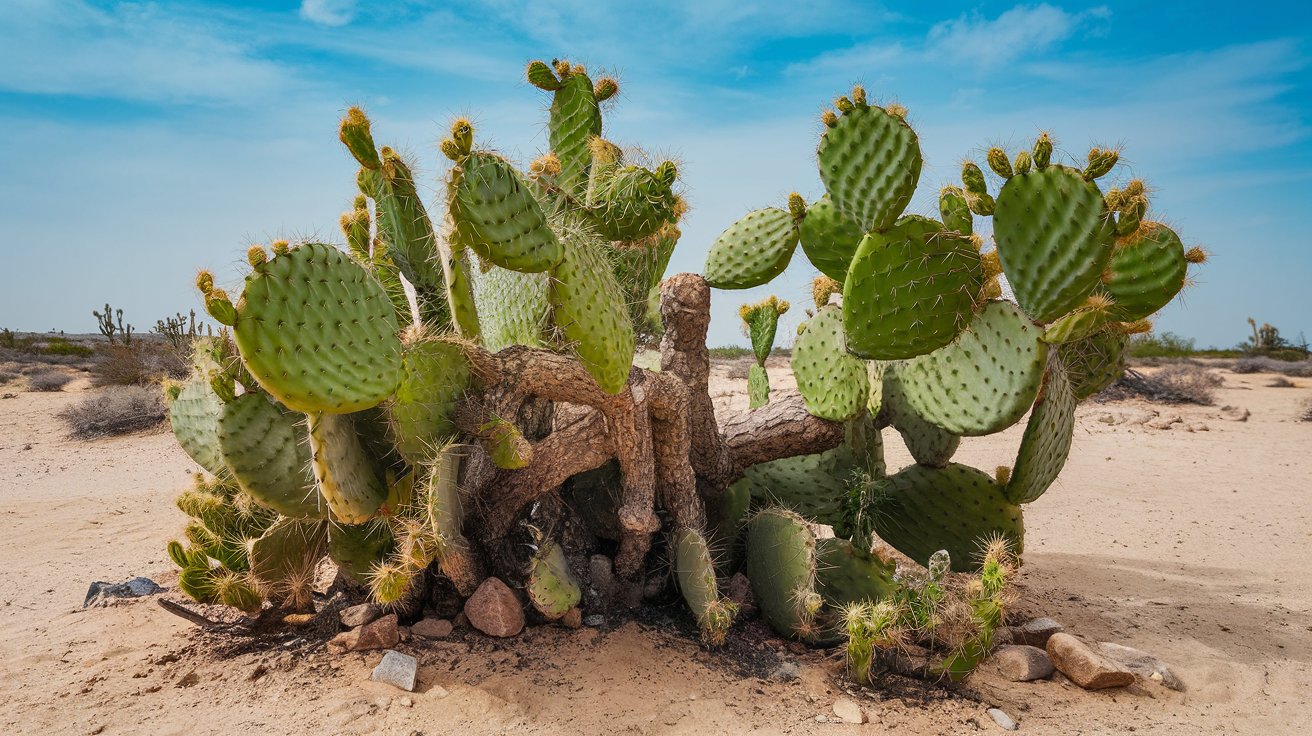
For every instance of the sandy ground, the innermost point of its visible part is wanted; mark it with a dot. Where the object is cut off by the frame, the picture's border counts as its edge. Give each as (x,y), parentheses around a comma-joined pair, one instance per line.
(1189,544)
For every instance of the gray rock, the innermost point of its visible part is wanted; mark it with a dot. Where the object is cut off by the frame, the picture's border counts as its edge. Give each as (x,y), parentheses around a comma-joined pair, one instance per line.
(328,577)
(1004,721)
(360,615)
(1021,663)
(398,670)
(1142,664)
(432,628)
(1086,667)
(495,610)
(595,620)
(1035,632)
(787,672)
(101,592)
(848,711)
(602,575)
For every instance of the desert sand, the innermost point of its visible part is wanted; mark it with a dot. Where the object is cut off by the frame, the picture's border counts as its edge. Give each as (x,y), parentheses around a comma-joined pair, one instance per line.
(1189,544)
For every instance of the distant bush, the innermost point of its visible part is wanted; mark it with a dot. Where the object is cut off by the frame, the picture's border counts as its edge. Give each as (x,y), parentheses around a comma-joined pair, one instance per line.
(1175,384)
(139,364)
(62,346)
(114,412)
(7,376)
(1267,364)
(48,380)
(1280,382)
(1306,416)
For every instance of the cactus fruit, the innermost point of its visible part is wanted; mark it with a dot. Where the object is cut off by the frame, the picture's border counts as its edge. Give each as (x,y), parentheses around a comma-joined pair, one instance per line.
(754,249)
(695,571)
(986,380)
(267,449)
(1147,270)
(318,333)
(588,308)
(829,238)
(194,411)
(832,382)
(869,162)
(1047,439)
(434,375)
(1054,236)
(349,479)
(910,290)
(552,588)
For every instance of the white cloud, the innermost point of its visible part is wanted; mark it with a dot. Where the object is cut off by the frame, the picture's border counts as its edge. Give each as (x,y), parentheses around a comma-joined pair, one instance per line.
(328,12)
(1018,32)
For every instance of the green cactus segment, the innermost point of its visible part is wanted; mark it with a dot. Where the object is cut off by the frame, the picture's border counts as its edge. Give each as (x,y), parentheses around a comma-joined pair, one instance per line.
(813,486)
(575,119)
(1147,271)
(357,548)
(318,332)
(758,387)
(762,321)
(460,292)
(986,380)
(412,244)
(875,378)
(695,570)
(194,413)
(1077,325)
(445,515)
(832,382)
(921,510)
(267,449)
(781,564)
(847,574)
(496,214)
(928,443)
(638,269)
(753,250)
(1095,362)
(870,162)
(552,588)
(955,211)
(1054,236)
(223,521)
(588,307)
(1047,440)
(348,478)
(628,203)
(286,554)
(434,375)
(389,276)
(829,238)
(513,307)
(910,290)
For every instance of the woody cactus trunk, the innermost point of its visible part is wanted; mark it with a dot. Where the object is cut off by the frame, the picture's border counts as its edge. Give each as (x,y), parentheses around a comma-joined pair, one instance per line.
(449,399)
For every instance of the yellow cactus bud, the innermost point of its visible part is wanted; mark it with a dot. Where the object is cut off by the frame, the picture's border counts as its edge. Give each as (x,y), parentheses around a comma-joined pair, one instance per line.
(859,95)
(204,281)
(897,110)
(256,256)
(1195,255)
(829,118)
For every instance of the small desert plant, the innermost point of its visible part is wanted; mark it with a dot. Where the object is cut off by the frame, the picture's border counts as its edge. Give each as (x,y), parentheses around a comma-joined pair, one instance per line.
(1280,382)
(1174,384)
(7,376)
(141,363)
(63,346)
(1306,414)
(114,412)
(48,380)
(1267,364)
(109,327)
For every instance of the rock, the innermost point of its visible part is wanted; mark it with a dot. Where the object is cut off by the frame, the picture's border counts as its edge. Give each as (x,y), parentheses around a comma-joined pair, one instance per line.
(848,711)
(1035,632)
(1138,417)
(1235,413)
(406,702)
(1106,419)
(1021,663)
(1142,664)
(397,670)
(1086,667)
(327,577)
(602,576)
(379,634)
(1198,427)
(787,672)
(1164,422)
(573,618)
(1004,721)
(595,620)
(740,590)
(101,592)
(361,614)
(494,610)
(432,628)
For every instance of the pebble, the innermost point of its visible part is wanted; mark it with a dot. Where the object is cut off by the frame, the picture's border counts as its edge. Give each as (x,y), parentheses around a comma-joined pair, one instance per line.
(848,711)
(787,672)
(1035,632)
(397,669)
(1021,663)
(595,620)
(360,615)
(380,634)
(100,592)
(1084,666)
(573,618)
(1003,720)
(432,628)
(495,610)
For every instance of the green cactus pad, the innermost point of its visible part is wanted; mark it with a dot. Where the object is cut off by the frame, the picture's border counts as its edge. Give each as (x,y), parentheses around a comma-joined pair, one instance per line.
(813,486)
(781,564)
(267,449)
(1095,362)
(986,380)
(628,203)
(1147,270)
(695,571)
(194,415)
(753,250)
(434,374)
(412,244)
(829,238)
(357,548)
(638,269)
(1054,236)
(317,331)
(875,378)
(575,119)
(954,210)
(928,443)
(348,478)
(588,307)
(460,293)
(445,515)
(552,588)
(288,551)
(847,574)
(870,162)
(758,386)
(832,382)
(1077,325)
(921,510)
(1047,440)
(513,307)
(910,290)
(495,213)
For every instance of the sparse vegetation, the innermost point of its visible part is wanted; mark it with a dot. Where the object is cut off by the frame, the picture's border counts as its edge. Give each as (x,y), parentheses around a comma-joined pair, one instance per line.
(1306,415)
(115,412)
(1280,382)
(1174,384)
(1267,364)
(181,331)
(48,380)
(139,364)
(109,327)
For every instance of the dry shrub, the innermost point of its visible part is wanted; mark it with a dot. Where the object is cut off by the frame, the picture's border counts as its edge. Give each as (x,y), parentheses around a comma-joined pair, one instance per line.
(138,364)
(1175,384)
(1264,364)
(48,380)
(6,376)
(1280,382)
(114,412)
(1306,415)
(739,370)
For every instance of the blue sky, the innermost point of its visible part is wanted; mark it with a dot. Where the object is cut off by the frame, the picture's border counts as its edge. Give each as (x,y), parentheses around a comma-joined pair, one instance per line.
(144,140)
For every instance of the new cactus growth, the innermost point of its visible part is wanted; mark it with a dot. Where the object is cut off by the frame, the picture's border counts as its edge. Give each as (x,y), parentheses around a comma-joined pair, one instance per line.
(762,322)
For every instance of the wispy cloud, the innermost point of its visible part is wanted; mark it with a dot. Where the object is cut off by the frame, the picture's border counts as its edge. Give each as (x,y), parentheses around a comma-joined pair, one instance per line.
(328,12)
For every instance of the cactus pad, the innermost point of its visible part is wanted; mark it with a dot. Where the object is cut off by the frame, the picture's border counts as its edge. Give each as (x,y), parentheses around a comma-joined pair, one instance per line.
(813,486)
(758,386)
(513,307)
(357,548)
(284,557)
(348,479)
(870,162)
(552,588)
(1095,362)
(194,415)
(833,382)
(781,564)
(575,119)
(317,331)
(267,449)
(695,571)
(1047,440)
(910,290)
(629,203)
(1147,270)
(847,574)
(496,214)
(1054,236)
(986,380)
(829,238)
(753,250)
(589,308)
(928,443)
(434,375)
